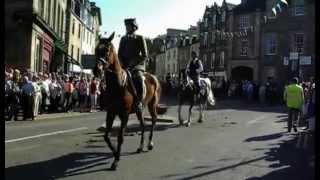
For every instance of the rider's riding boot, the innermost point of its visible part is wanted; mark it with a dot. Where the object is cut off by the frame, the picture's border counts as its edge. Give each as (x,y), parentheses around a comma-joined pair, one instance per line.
(139,88)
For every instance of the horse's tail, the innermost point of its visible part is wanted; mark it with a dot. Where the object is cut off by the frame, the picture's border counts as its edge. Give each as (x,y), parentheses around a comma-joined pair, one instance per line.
(210,98)
(157,94)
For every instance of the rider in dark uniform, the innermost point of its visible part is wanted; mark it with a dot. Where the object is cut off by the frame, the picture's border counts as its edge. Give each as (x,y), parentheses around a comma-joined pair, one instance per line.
(133,54)
(194,69)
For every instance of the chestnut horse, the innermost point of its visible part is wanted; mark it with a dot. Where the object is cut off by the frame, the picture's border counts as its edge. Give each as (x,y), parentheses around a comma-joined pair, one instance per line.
(120,97)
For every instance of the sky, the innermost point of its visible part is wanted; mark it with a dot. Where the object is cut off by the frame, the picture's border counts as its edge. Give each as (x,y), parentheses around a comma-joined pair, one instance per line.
(153,16)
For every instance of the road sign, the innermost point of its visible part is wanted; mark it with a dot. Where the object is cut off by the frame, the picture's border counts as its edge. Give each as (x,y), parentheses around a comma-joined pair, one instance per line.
(305,60)
(294,55)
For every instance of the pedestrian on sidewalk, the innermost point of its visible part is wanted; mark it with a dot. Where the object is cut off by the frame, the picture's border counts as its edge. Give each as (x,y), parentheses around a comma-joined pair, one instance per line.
(68,87)
(83,93)
(45,92)
(37,95)
(27,98)
(93,94)
(294,96)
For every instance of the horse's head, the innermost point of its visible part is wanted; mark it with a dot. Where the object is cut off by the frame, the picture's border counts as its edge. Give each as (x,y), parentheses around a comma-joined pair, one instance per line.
(105,51)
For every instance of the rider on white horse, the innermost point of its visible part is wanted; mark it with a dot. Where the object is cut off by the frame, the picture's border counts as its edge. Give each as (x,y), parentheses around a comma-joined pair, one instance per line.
(194,69)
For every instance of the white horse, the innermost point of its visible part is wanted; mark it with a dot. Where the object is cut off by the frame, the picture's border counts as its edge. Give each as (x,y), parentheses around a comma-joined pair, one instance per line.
(187,94)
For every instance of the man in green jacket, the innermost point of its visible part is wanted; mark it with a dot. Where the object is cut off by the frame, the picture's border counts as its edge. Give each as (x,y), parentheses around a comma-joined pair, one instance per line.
(294,97)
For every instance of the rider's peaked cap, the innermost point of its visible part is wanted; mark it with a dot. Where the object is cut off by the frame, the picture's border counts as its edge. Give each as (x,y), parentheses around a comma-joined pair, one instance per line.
(132,22)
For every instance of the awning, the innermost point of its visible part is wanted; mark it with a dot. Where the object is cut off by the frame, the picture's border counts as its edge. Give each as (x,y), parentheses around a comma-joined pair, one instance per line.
(75,68)
(60,45)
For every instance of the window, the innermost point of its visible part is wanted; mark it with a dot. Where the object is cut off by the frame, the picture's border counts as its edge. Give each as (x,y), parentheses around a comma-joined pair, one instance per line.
(88,36)
(244,48)
(73,25)
(213,59)
(223,16)
(271,44)
(221,62)
(49,12)
(213,38)
(214,19)
(54,13)
(299,42)
(78,55)
(204,59)
(205,38)
(299,7)
(41,8)
(72,51)
(62,25)
(205,22)
(244,22)
(58,23)
(79,30)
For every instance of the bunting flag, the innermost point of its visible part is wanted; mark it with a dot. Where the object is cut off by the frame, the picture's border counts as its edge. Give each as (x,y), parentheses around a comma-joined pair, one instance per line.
(265,19)
(284,2)
(279,7)
(231,35)
(245,32)
(274,11)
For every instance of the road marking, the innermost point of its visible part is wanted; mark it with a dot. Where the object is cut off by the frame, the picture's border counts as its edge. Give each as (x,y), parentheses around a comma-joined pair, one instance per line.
(46,134)
(257,119)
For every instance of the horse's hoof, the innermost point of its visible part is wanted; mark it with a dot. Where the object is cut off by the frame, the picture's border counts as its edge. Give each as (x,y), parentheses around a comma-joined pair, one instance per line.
(139,150)
(200,121)
(150,147)
(114,166)
(188,124)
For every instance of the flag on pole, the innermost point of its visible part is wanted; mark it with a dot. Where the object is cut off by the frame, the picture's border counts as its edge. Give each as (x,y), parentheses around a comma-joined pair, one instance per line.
(274,11)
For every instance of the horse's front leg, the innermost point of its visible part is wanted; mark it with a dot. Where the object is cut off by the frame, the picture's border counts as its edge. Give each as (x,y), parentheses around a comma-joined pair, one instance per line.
(142,125)
(124,120)
(153,112)
(109,122)
(201,106)
(179,111)
(189,115)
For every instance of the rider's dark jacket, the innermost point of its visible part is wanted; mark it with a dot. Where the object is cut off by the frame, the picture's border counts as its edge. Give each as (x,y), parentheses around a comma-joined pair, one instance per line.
(133,52)
(193,66)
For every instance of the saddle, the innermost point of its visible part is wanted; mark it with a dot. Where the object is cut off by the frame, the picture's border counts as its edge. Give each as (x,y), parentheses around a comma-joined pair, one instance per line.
(132,85)
(203,85)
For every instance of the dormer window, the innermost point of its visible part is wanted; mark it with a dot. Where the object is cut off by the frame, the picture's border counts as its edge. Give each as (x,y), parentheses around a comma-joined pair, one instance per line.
(223,16)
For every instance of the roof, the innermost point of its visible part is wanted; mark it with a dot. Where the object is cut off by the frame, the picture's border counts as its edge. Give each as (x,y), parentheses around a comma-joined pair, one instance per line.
(230,6)
(250,6)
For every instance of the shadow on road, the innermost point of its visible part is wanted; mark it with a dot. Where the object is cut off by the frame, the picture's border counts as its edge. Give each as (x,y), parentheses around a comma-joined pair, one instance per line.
(290,162)
(64,166)
(287,161)
(265,137)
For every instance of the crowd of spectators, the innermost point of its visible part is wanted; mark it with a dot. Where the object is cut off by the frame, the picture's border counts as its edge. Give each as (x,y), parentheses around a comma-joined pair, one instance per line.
(39,93)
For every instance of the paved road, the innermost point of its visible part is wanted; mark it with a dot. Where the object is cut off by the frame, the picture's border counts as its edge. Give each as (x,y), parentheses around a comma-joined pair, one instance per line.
(235,142)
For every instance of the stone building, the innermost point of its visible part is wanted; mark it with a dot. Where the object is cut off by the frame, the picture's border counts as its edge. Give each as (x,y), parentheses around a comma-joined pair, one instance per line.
(214,45)
(35,34)
(83,23)
(291,30)
(244,63)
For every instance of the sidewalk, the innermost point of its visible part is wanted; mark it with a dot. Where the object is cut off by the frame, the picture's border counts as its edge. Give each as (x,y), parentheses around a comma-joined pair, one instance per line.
(58,115)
